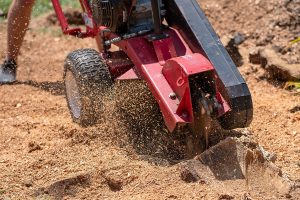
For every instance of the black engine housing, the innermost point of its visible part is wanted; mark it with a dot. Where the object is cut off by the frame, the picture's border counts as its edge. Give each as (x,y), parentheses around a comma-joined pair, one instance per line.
(123,16)
(111,13)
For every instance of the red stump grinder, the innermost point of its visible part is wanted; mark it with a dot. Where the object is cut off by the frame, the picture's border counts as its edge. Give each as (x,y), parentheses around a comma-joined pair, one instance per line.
(169,44)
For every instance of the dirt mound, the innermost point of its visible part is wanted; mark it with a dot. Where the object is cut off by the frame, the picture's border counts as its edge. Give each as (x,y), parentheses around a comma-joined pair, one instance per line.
(235,160)
(275,23)
(73,17)
(228,170)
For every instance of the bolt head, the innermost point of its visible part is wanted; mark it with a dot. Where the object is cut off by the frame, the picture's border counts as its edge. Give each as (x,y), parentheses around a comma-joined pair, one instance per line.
(172,96)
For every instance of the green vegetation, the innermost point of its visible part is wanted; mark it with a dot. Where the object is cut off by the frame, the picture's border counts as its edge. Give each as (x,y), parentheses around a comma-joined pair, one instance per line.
(4,5)
(41,6)
(293,86)
(295,41)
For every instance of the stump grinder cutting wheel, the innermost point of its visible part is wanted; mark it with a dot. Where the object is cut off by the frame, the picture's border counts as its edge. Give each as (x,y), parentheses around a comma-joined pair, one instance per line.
(169,44)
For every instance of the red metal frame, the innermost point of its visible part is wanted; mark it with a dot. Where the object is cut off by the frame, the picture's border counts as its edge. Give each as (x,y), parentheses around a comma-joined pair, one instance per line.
(166,65)
(91,28)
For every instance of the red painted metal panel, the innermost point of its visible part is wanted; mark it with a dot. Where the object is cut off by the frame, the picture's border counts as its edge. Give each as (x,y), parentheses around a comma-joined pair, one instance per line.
(161,91)
(164,49)
(177,72)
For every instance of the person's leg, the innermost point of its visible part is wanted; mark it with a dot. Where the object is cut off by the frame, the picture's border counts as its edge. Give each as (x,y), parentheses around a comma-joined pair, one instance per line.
(18,21)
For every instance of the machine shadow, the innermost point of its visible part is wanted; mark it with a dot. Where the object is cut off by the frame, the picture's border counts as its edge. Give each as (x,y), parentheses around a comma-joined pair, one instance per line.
(54,88)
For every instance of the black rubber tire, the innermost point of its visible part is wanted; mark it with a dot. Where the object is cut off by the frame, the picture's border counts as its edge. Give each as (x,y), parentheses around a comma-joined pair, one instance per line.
(93,81)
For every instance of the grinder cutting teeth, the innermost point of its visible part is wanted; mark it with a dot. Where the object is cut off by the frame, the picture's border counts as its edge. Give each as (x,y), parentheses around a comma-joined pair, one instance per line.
(184,64)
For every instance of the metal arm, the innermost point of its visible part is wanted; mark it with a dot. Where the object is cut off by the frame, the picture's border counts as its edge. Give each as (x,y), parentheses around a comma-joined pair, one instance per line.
(156,16)
(65,26)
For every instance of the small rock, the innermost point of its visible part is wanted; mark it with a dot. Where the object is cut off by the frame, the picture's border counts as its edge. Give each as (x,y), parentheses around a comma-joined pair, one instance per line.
(114,184)
(117,179)
(246,197)
(188,174)
(239,38)
(28,183)
(173,197)
(231,44)
(295,109)
(33,146)
(267,155)
(288,196)
(225,197)
(254,56)
(246,132)
(278,68)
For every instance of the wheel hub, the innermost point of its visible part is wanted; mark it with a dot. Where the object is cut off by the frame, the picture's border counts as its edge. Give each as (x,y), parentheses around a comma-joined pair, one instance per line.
(73,94)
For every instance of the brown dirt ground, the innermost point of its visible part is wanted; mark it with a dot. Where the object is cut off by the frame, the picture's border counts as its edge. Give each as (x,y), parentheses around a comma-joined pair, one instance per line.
(42,149)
